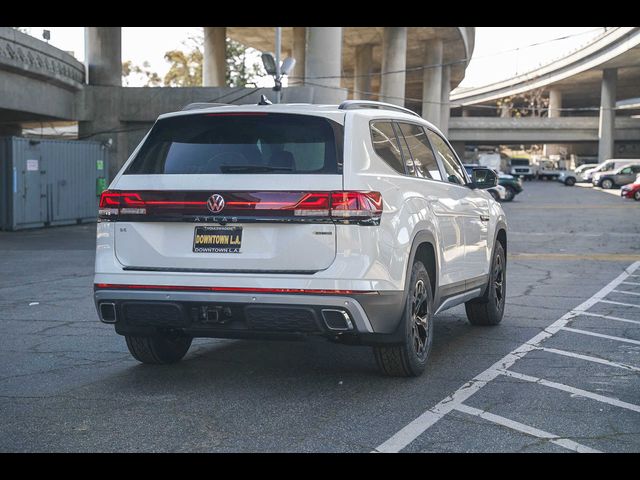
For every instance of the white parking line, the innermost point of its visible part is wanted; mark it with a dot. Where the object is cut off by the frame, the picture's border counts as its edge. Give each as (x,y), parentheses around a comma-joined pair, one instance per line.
(590,358)
(417,427)
(601,335)
(627,293)
(631,283)
(620,303)
(576,391)
(521,427)
(608,317)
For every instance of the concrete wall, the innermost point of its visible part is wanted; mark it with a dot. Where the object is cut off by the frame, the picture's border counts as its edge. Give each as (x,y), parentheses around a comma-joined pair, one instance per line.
(36,79)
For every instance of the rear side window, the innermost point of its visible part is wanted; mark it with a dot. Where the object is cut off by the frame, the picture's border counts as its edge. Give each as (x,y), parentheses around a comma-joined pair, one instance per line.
(423,157)
(386,145)
(240,142)
(452,168)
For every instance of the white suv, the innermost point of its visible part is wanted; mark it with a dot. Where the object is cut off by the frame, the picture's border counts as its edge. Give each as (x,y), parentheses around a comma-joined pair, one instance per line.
(354,222)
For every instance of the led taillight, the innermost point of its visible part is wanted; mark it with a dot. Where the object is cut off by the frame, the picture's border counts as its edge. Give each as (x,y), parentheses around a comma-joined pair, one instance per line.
(356,204)
(126,203)
(313,205)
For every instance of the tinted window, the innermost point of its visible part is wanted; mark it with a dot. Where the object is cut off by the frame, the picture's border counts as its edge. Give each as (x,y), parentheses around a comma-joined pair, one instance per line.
(406,155)
(452,168)
(239,143)
(386,145)
(423,158)
(606,167)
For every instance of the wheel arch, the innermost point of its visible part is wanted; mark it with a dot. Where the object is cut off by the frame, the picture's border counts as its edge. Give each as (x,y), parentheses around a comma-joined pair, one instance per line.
(424,248)
(501,236)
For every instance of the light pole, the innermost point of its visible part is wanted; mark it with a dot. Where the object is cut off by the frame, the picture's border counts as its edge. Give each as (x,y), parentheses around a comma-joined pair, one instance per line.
(274,67)
(278,77)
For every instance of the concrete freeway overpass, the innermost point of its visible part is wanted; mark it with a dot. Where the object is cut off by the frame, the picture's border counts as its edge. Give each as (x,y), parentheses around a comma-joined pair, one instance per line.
(526,130)
(587,91)
(40,83)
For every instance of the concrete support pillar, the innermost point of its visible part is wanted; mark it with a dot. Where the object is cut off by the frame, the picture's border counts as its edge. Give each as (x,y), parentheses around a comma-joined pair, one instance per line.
(103,53)
(607,114)
(214,65)
(101,106)
(103,58)
(394,59)
(432,82)
(362,72)
(555,103)
(323,64)
(445,108)
(466,112)
(299,50)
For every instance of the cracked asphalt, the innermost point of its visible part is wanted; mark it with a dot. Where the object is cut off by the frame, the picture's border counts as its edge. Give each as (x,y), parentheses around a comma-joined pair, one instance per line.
(68,383)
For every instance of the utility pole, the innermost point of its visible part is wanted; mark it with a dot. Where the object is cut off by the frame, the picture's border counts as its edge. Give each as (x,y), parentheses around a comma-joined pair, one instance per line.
(278,80)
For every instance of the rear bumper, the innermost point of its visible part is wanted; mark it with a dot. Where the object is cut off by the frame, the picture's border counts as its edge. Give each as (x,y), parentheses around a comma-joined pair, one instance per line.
(366,318)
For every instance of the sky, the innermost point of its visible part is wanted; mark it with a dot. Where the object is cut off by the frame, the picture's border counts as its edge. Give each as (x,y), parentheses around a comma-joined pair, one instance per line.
(499,53)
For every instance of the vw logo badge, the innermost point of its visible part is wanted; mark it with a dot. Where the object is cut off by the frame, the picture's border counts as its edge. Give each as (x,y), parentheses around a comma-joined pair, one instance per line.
(215,203)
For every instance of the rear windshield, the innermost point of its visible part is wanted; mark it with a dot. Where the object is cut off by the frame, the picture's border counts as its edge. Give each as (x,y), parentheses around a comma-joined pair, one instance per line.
(241,143)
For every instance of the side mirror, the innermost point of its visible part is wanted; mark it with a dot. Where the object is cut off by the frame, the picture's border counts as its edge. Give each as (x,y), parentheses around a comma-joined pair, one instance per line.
(484,178)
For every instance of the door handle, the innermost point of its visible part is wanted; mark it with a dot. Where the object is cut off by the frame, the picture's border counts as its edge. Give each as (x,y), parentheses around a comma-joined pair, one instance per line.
(484,218)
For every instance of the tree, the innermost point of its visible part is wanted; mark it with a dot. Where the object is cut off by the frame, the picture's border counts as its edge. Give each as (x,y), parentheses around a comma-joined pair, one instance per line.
(128,69)
(240,72)
(534,103)
(185,70)
(186,66)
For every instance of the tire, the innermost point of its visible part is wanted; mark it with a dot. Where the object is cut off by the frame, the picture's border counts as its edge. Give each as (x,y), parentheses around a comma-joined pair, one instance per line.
(489,309)
(607,183)
(509,194)
(570,182)
(636,196)
(159,350)
(409,358)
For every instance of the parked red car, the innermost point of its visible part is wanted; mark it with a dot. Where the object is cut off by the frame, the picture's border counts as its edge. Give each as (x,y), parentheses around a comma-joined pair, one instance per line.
(631,190)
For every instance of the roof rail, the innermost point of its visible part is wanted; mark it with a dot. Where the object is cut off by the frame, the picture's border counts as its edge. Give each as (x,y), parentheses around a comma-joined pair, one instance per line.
(199,105)
(354,104)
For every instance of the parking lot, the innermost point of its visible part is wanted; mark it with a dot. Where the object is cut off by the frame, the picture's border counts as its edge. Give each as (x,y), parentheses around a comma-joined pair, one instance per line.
(561,373)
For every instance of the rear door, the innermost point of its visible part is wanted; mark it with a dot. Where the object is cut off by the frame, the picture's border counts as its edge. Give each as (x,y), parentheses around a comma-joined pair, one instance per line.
(232,192)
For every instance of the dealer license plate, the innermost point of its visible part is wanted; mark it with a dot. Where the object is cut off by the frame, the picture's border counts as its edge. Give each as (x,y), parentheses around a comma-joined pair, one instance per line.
(217,239)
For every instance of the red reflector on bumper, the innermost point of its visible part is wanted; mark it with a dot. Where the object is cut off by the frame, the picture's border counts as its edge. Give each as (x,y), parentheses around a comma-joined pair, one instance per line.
(185,288)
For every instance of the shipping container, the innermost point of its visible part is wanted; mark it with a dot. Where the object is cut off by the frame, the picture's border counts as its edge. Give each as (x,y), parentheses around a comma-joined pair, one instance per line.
(50,182)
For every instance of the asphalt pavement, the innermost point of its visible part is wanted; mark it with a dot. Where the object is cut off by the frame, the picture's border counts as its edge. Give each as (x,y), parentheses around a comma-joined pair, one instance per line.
(561,373)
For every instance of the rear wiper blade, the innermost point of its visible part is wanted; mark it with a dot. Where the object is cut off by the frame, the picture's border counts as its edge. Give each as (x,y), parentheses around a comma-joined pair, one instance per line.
(252,169)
